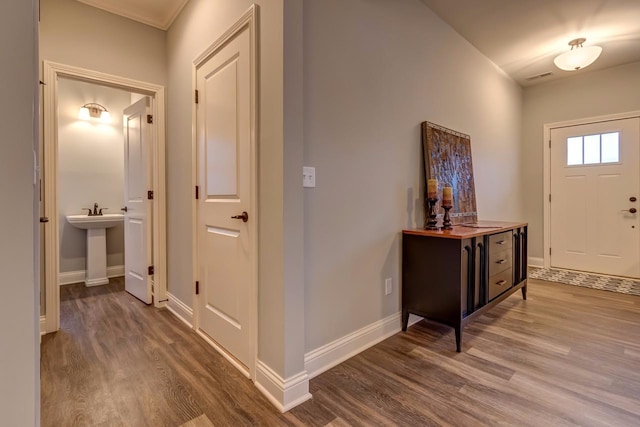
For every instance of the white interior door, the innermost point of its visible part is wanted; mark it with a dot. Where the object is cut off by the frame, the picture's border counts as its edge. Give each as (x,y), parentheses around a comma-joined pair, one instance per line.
(595,187)
(225,177)
(137,216)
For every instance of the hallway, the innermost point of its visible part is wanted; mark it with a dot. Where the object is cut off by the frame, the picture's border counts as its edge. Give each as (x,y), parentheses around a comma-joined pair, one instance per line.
(116,361)
(566,356)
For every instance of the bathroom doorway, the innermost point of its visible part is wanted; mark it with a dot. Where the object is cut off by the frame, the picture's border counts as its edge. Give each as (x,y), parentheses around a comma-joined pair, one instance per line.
(90,167)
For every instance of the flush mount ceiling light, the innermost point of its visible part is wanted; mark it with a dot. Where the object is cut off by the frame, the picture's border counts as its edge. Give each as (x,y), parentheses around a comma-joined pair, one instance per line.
(578,57)
(94,110)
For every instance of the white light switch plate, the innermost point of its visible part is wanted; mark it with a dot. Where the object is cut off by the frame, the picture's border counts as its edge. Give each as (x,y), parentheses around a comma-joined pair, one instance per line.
(308,176)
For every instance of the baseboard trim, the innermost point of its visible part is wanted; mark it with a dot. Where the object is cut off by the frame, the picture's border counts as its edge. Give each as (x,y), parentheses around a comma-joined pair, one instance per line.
(283,394)
(78,276)
(535,262)
(179,309)
(329,355)
(43,325)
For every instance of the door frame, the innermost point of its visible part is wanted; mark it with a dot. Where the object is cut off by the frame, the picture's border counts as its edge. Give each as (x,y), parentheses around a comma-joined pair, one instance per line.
(51,72)
(249,19)
(546,144)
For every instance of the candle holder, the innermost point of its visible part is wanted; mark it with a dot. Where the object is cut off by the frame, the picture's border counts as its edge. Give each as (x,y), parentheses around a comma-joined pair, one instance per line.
(446,223)
(431,223)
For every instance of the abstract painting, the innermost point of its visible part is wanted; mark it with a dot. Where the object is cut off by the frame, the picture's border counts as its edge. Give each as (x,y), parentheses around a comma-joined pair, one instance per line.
(447,158)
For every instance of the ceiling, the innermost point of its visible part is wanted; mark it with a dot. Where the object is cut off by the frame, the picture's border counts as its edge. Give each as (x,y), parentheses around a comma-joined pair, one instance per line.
(523,36)
(520,36)
(157,13)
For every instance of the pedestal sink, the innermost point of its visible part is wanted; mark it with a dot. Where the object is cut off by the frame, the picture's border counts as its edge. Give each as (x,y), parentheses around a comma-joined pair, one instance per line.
(96,227)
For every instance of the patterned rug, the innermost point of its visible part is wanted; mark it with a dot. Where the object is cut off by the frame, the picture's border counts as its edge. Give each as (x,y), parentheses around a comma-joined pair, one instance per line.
(586,280)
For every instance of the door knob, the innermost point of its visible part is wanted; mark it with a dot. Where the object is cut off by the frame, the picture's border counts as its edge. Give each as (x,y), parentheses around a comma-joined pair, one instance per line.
(630,210)
(124,209)
(244,217)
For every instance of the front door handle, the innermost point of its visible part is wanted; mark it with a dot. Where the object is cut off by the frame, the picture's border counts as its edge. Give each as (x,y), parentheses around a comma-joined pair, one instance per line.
(630,210)
(244,216)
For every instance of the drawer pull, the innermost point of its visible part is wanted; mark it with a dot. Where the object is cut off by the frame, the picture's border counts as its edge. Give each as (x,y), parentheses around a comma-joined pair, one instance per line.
(501,242)
(501,283)
(501,261)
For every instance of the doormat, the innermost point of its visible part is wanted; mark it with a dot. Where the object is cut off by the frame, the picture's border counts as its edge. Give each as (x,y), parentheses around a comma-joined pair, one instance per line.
(606,283)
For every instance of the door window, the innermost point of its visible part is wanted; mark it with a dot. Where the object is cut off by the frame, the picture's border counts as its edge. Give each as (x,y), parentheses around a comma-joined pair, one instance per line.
(594,149)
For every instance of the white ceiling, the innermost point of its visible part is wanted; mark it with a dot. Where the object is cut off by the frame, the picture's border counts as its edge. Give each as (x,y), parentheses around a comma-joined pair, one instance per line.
(520,36)
(157,13)
(523,36)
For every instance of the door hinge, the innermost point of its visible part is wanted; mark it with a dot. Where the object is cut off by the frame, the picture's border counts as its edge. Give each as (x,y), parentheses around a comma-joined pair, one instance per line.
(149,119)
(196,96)
(197,192)
(151,270)
(150,195)
(549,251)
(197,288)
(549,197)
(549,143)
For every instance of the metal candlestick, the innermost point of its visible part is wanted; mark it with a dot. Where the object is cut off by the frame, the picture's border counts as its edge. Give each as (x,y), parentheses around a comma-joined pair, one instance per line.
(431,223)
(446,223)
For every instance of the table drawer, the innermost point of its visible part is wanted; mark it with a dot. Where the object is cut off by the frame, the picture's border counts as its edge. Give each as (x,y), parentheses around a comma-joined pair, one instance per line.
(500,261)
(500,241)
(500,283)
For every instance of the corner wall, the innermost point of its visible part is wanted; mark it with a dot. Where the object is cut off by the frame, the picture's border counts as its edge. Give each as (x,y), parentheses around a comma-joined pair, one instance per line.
(591,94)
(19,327)
(374,70)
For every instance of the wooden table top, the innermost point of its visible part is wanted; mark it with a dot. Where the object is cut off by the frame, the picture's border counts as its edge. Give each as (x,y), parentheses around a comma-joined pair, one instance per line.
(479,228)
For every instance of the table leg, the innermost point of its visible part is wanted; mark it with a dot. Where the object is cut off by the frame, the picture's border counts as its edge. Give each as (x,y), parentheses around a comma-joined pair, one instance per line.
(405,320)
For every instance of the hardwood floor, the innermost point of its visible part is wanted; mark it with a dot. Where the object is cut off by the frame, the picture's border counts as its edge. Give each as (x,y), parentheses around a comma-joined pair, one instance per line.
(566,356)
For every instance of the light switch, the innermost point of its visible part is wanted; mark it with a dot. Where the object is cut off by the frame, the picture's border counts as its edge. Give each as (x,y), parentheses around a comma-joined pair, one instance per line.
(308,176)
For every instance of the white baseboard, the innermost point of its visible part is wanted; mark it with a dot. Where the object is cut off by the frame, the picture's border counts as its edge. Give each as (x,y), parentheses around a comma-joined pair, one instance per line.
(329,355)
(43,325)
(78,276)
(179,309)
(283,394)
(535,262)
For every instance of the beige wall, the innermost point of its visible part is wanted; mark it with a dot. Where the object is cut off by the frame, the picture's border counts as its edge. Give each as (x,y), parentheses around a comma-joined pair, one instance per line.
(374,70)
(19,351)
(597,93)
(73,33)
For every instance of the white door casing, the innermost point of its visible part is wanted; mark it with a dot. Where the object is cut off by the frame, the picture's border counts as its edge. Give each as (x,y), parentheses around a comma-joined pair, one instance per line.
(137,217)
(51,72)
(591,227)
(226,247)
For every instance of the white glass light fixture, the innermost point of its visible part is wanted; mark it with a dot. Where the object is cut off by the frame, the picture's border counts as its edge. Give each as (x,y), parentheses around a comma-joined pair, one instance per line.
(94,110)
(578,57)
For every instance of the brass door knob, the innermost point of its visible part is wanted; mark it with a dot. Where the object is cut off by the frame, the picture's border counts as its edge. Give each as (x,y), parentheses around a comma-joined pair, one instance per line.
(244,216)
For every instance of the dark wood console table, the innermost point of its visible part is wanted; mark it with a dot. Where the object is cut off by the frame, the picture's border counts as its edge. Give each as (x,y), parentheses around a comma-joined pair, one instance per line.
(451,276)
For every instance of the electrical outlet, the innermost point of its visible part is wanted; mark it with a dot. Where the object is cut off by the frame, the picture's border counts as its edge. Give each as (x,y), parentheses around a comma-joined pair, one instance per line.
(388,286)
(308,176)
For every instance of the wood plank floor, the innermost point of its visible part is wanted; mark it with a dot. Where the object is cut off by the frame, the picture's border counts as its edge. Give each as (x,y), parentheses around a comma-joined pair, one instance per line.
(566,356)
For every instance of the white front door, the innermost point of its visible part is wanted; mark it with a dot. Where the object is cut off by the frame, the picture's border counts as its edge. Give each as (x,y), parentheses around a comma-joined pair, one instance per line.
(137,216)
(595,188)
(226,222)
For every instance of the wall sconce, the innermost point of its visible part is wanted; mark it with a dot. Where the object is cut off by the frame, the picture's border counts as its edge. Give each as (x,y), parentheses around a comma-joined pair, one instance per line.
(94,110)
(578,57)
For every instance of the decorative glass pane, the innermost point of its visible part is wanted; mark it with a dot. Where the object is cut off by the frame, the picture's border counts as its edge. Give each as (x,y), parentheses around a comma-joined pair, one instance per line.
(574,151)
(591,149)
(611,147)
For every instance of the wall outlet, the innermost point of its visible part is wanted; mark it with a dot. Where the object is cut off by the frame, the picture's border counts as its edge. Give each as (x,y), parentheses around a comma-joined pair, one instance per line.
(308,176)
(388,286)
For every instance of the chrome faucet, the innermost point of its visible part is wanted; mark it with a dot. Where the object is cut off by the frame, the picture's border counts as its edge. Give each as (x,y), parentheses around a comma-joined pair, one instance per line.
(95,211)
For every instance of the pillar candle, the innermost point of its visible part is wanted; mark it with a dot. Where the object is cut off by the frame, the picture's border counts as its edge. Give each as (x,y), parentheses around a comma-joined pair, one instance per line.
(447,196)
(432,188)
